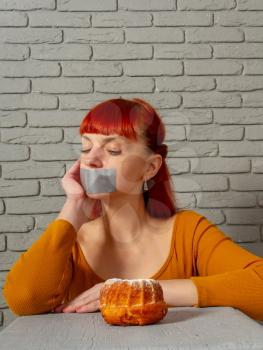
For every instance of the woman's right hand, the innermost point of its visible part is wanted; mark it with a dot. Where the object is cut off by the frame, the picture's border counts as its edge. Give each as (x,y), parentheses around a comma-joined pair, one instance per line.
(90,208)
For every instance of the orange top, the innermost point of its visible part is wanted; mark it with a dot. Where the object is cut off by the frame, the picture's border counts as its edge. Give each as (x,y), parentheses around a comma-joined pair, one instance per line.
(54,269)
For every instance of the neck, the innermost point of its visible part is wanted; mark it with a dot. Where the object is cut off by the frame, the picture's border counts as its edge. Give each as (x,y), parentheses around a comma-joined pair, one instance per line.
(124,218)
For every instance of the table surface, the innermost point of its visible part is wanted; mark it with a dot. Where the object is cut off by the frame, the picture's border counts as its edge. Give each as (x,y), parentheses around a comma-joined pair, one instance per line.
(182,328)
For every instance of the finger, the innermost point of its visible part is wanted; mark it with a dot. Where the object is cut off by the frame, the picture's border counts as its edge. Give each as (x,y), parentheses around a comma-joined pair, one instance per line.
(91,307)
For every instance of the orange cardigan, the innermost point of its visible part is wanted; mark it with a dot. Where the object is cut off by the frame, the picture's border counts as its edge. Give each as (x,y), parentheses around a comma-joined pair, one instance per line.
(54,269)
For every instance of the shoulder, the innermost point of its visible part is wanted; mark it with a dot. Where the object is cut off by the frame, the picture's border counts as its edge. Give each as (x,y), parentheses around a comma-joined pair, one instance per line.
(188,217)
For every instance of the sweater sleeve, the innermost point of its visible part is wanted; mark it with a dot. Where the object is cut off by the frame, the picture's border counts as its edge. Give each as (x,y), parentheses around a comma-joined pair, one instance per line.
(38,280)
(228,275)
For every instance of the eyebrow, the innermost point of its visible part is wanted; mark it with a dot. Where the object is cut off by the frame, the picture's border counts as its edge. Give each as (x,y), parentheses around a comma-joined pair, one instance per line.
(106,140)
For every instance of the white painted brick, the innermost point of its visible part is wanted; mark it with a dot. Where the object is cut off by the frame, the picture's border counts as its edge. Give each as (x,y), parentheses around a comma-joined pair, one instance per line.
(154,35)
(93,35)
(183,51)
(27,4)
(13,19)
(31,135)
(51,187)
(260,202)
(185,83)
(8,85)
(81,101)
(254,132)
(86,5)
(30,101)
(7,260)
(187,116)
(61,52)
(2,299)
(62,85)
(185,149)
(249,5)
(178,166)
(11,153)
(220,165)
(82,69)
(256,249)
(122,19)
(13,223)
(212,67)
(32,205)
(242,50)
(42,221)
(239,116)
(182,19)
(211,99)
(239,233)
(55,118)
(236,149)
(2,278)
(72,135)
(225,200)
(15,188)
(175,133)
(33,170)
(30,35)
(122,52)
(9,317)
(146,5)
(11,119)
(206,4)
(236,18)
(241,83)
(253,99)
(2,208)
(51,152)
(2,249)
(185,200)
(29,69)
(153,68)
(253,67)
(248,216)
(22,241)
(215,216)
(253,35)
(13,52)
(124,84)
(257,166)
(214,132)
(250,182)
(216,34)
(59,19)
(197,183)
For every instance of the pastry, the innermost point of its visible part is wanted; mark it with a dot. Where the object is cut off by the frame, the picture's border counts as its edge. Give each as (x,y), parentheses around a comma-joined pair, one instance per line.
(132,301)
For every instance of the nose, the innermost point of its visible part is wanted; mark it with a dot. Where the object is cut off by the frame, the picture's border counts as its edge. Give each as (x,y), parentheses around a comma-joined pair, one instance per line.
(92,159)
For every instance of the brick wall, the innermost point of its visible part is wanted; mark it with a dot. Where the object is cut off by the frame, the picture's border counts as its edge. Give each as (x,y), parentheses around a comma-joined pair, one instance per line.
(200,63)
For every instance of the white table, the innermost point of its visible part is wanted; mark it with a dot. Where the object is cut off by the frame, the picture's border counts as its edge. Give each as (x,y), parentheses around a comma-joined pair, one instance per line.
(182,328)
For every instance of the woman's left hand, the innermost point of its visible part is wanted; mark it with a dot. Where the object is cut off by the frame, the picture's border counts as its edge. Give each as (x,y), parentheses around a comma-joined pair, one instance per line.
(88,301)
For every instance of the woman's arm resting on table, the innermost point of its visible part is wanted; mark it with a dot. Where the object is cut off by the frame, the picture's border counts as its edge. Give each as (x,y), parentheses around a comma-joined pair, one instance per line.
(179,292)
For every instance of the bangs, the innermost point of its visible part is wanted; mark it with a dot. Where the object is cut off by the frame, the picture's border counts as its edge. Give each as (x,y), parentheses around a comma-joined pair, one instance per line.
(115,116)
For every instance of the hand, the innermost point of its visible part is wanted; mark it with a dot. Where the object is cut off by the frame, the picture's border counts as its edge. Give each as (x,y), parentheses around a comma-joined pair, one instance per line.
(88,301)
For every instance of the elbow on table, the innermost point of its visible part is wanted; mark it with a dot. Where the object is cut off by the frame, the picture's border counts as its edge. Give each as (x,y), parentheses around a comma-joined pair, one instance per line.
(22,303)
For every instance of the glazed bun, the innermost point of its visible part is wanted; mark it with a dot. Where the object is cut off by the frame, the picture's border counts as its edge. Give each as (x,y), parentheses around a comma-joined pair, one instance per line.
(132,301)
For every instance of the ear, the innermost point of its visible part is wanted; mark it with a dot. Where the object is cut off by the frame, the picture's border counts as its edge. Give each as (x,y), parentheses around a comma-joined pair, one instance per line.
(153,165)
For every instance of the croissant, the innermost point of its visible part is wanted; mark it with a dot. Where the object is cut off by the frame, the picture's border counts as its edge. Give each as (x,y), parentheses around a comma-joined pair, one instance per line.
(132,301)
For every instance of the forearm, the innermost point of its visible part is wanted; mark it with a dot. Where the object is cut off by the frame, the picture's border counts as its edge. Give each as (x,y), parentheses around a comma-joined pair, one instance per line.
(72,212)
(179,292)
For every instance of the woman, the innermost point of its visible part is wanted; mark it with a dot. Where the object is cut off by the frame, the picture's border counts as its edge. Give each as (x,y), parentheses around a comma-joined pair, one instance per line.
(132,232)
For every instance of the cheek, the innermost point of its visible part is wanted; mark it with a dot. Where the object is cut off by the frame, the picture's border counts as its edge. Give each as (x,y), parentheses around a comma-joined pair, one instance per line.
(132,168)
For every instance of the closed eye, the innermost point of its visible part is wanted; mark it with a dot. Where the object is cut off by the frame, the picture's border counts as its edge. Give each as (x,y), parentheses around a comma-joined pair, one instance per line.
(111,152)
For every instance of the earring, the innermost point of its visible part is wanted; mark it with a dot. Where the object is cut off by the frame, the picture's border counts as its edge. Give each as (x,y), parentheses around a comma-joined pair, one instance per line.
(145,186)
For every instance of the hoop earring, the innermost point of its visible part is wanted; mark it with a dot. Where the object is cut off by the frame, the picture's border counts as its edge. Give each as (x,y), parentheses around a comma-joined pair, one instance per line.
(145,186)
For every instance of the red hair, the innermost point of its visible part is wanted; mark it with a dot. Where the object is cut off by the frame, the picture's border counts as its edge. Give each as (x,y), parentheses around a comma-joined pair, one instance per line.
(130,118)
